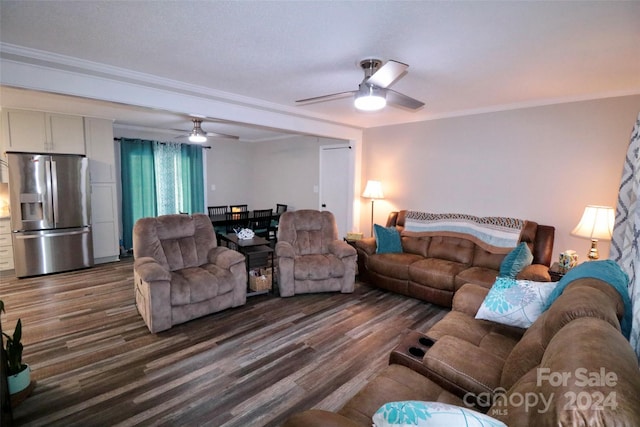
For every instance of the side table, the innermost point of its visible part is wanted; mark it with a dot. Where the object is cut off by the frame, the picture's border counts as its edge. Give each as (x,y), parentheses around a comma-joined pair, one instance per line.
(256,252)
(352,243)
(556,272)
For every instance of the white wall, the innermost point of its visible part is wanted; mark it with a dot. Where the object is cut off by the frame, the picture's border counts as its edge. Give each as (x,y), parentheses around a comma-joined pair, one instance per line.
(262,174)
(229,168)
(543,164)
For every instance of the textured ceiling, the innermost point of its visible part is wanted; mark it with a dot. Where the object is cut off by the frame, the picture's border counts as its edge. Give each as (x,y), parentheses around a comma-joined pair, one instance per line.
(464,57)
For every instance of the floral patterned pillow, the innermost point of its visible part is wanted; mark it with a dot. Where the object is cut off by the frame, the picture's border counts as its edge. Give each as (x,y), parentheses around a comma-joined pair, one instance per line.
(515,302)
(432,414)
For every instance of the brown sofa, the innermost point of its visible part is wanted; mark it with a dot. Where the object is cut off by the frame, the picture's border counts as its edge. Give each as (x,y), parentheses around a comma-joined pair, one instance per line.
(180,273)
(572,367)
(433,268)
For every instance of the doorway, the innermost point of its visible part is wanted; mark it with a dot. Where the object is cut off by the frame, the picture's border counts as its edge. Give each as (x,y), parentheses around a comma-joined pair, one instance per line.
(336,184)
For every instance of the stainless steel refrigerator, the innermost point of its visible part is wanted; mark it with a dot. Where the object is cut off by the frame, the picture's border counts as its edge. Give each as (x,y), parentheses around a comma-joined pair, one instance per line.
(50,213)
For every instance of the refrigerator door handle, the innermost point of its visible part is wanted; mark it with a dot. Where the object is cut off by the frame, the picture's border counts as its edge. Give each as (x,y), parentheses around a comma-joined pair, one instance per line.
(47,174)
(22,236)
(54,192)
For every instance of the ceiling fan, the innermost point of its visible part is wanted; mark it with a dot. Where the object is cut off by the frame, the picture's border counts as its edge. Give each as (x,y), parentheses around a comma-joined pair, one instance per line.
(197,135)
(373,92)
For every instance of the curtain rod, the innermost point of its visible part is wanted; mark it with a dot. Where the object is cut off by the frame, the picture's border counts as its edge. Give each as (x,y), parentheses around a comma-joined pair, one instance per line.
(206,147)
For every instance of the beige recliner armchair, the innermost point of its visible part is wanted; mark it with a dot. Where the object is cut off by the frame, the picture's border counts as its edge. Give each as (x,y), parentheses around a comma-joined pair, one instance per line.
(181,273)
(310,257)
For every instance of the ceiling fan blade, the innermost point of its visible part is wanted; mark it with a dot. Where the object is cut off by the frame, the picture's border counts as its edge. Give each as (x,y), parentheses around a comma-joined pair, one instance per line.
(325,97)
(221,135)
(388,73)
(185,134)
(401,100)
(212,136)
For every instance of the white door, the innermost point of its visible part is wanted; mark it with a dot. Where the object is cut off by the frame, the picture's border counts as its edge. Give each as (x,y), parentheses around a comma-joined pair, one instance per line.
(335,184)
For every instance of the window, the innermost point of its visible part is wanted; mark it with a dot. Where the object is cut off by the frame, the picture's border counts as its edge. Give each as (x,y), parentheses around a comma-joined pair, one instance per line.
(159,178)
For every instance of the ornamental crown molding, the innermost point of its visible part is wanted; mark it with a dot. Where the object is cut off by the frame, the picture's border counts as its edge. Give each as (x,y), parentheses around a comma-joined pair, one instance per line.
(43,59)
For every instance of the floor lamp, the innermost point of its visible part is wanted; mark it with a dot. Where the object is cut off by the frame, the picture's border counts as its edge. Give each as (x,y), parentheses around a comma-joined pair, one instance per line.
(373,191)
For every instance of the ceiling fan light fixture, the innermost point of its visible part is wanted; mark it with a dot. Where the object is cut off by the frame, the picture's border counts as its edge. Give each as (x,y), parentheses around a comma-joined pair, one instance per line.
(370,98)
(197,135)
(197,138)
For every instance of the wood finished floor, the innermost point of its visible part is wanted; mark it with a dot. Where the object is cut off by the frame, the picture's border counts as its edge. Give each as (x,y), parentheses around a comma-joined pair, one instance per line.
(96,364)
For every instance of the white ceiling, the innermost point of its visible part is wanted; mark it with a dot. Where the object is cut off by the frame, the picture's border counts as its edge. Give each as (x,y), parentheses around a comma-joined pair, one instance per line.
(465,56)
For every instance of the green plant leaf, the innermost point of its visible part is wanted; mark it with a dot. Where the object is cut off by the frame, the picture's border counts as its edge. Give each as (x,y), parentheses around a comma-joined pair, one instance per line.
(17,333)
(13,349)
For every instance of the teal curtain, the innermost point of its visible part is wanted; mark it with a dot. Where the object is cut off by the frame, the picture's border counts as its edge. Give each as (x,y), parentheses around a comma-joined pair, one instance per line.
(138,184)
(192,179)
(159,178)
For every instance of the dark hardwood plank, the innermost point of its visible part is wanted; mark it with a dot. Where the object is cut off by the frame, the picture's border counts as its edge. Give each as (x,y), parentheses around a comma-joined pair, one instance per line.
(96,364)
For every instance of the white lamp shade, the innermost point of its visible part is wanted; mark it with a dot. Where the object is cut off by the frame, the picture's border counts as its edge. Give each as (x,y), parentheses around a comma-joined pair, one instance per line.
(370,98)
(596,223)
(197,138)
(373,190)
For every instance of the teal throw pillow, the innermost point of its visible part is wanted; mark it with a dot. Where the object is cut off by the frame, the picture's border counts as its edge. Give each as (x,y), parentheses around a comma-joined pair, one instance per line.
(516,260)
(515,302)
(387,240)
(430,414)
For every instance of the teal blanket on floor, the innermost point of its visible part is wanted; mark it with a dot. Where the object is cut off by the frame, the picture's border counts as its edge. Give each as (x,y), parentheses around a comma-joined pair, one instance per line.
(607,271)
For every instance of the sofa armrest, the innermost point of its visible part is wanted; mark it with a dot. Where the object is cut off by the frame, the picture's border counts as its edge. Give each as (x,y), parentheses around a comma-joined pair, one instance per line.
(285,250)
(469,298)
(224,257)
(461,366)
(150,270)
(318,418)
(543,246)
(341,249)
(285,257)
(152,293)
(535,272)
(367,245)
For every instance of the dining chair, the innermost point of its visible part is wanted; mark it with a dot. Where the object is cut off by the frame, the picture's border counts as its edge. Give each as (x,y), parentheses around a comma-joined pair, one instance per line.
(236,220)
(273,226)
(261,222)
(238,208)
(217,210)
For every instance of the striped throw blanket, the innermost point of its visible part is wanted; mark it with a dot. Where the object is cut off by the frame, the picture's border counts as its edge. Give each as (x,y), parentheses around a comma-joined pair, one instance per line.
(494,234)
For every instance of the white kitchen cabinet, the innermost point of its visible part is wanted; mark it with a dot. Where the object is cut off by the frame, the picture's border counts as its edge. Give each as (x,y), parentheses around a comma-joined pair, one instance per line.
(4,170)
(104,223)
(6,246)
(100,149)
(104,196)
(39,132)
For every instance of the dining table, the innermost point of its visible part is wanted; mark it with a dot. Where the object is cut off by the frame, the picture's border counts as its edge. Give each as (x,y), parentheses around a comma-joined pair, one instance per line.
(236,218)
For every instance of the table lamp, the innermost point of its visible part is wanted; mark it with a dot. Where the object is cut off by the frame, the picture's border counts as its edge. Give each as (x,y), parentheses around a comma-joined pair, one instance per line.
(596,223)
(373,191)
